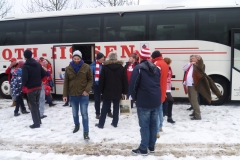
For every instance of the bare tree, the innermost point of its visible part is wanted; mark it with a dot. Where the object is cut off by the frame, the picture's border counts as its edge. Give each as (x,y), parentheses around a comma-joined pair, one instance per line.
(5,8)
(51,5)
(106,3)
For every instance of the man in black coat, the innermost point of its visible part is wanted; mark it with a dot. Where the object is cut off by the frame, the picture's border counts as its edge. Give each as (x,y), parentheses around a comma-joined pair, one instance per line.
(32,74)
(112,85)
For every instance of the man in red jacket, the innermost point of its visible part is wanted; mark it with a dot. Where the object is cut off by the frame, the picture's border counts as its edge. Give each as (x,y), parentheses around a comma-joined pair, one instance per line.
(157,59)
(8,71)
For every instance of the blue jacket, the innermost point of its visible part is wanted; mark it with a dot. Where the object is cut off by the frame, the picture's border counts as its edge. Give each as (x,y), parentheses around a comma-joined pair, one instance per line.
(93,67)
(16,82)
(145,85)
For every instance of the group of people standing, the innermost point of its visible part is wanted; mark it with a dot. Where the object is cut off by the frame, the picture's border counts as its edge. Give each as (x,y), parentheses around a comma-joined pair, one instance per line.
(31,80)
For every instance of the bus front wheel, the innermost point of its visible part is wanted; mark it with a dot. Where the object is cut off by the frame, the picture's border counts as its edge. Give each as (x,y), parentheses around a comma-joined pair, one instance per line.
(5,88)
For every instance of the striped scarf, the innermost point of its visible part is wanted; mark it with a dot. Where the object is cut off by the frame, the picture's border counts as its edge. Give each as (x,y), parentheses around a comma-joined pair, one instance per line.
(97,71)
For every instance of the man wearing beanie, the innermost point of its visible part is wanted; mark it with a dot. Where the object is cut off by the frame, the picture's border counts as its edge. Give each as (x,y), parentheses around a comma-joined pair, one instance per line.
(77,83)
(158,60)
(32,75)
(96,68)
(112,85)
(145,90)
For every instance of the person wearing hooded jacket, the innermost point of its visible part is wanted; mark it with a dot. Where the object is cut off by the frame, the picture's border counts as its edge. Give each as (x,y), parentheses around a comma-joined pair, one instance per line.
(112,85)
(32,74)
(145,90)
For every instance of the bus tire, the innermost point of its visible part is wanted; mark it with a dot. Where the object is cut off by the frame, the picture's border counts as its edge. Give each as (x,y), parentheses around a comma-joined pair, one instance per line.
(223,86)
(5,88)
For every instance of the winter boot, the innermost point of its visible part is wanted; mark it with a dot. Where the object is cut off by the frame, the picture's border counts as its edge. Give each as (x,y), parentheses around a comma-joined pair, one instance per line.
(140,151)
(66,104)
(14,104)
(110,115)
(76,128)
(97,116)
(86,136)
(51,104)
(16,114)
(170,120)
(151,149)
(25,112)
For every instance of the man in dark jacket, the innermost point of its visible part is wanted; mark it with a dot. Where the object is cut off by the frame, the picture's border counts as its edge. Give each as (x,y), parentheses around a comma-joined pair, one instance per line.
(32,74)
(145,90)
(112,84)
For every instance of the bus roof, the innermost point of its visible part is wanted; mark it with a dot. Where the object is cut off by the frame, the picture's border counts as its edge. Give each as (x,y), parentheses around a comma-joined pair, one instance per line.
(119,9)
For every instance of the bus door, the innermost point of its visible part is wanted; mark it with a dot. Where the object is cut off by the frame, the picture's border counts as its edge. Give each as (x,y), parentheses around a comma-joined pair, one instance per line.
(235,64)
(63,56)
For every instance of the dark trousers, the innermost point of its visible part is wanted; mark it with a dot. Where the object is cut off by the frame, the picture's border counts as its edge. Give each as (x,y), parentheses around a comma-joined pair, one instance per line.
(48,98)
(33,98)
(97,100)
(19,103)
(105,109)
(170,101)
(165,108)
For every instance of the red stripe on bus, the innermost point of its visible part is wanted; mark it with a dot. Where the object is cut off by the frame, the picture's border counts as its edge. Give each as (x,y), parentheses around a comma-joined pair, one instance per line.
(179,48)
(177,80)
(194,52)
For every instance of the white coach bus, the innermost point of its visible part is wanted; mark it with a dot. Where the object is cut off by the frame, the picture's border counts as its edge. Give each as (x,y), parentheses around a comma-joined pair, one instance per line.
(178,32)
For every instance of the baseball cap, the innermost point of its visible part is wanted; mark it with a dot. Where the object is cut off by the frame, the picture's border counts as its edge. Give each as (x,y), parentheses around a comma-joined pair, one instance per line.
(13,59)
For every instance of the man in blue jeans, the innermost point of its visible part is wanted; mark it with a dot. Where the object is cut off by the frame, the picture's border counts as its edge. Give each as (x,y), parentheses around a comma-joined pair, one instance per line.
(77,83)
(145,89)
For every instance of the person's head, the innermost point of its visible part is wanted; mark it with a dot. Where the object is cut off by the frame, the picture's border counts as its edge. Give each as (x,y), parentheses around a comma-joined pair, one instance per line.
(112,56)
(168,61)
(36,59)
(13,61)
(20,64)
(27,54)
(77,57)
(100,57)
(193,58)
(145,53)
(44,63)
(156,54)
(133,58)
(41,58)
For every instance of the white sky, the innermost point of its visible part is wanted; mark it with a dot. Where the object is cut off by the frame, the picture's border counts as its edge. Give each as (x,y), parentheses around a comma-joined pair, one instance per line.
(18,4)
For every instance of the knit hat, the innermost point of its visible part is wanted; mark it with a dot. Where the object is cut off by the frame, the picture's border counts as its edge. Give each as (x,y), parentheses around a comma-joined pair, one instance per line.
(99,55)
(145,53)
(77,53)
(156,54)
(112,56)
(27,54)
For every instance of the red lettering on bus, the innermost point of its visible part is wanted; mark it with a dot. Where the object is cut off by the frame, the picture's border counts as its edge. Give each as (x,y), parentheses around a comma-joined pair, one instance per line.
(34,51)
(125,49)
(53,52)
(19,52)
(63,56)
(110,49)
(7,54)
(70,50)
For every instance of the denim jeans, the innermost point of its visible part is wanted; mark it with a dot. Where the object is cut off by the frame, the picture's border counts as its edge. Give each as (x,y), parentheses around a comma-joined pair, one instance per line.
(160,117)
(33,98)
(42,101)
(148,122)
(83,101)
(105,109)
(165,107)
(48,98)
(19,103)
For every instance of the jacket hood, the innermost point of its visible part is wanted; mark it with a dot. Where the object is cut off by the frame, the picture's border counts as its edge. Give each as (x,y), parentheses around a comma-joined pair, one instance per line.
(149,67)
(113,64)
(156,59)
(31,62)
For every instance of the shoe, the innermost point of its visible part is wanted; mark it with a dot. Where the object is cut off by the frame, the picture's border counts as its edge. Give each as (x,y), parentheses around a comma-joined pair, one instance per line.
(76,128)
(14,104)
(51,104)
(189,109)
(98,126)
(192,114)
(25,112)
(170,120)
(16,114)
(114,125)
(66,104)
(34,126)
(161,130)
(194,118)
(139,151)
(85,136)
(97,116)
(43,116)
(110,115)
(151,149)
(158,135)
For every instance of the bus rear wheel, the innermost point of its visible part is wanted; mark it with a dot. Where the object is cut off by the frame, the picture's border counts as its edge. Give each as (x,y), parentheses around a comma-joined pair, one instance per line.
(5,88)
(223,86)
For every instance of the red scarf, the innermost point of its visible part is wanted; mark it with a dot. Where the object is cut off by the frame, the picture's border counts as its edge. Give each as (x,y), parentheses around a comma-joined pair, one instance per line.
(97,70)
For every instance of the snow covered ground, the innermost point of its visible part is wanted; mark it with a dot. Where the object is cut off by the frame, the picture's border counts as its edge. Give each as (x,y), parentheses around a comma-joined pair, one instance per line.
(215,137)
